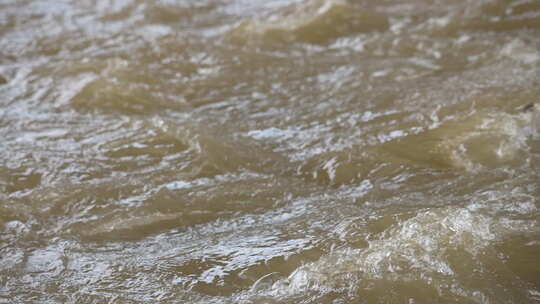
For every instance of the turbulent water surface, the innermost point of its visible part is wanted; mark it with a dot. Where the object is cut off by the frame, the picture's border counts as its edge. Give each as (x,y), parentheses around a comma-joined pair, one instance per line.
(283,151)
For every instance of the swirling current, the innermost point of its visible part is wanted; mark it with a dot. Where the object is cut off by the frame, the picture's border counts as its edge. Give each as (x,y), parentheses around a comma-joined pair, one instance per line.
(279,151)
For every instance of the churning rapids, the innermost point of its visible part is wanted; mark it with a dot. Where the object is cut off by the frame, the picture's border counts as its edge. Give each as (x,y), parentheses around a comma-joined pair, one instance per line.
(282,151)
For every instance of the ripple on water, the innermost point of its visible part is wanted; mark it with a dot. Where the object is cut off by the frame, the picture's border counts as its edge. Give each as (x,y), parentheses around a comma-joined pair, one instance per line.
(482,140)
(313,21)
(282,151)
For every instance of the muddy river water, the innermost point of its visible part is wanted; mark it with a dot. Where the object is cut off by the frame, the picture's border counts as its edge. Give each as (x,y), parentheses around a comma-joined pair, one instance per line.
(278,151)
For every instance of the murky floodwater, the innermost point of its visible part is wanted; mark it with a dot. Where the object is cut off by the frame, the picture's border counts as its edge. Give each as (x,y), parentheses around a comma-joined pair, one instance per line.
(284,151)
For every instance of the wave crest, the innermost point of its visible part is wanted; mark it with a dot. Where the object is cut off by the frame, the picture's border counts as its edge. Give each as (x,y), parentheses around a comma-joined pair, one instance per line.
(312,22)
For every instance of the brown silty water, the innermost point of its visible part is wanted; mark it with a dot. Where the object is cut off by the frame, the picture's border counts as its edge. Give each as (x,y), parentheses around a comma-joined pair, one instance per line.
(279,151)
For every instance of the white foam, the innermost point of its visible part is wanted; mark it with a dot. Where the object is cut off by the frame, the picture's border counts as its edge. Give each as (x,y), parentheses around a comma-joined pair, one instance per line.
(520,51)
(416,249)
(535,121)
(485,140)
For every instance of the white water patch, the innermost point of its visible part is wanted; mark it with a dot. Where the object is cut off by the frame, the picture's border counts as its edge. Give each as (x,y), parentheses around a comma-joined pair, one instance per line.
(391,136)
(45,261)
(535,124)
(209,182)
(311,21)
(426,248)
(484,140)
(500,202)
(301,142)
(518,50)
(231,255)
(271,134)
(153,32)
(495,140)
